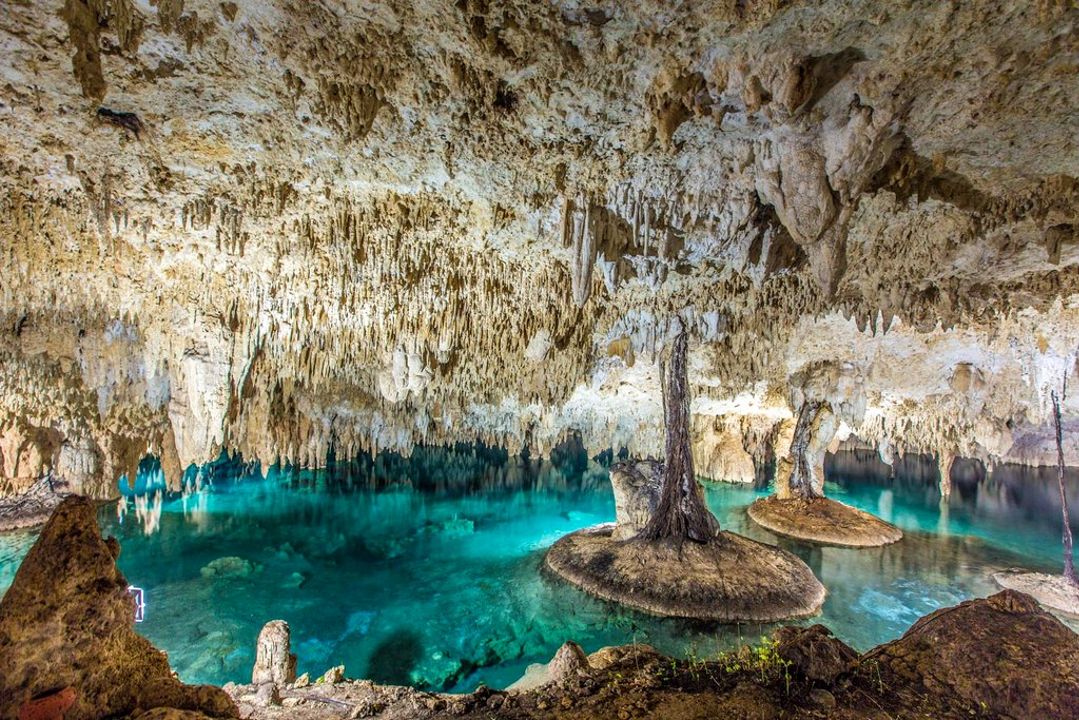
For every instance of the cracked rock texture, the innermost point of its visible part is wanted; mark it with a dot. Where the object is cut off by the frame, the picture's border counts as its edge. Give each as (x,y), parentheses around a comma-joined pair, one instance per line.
(278,226)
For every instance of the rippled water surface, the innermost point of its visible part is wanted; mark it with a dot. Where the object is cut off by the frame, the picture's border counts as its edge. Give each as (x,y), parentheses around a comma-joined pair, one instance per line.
(427,571)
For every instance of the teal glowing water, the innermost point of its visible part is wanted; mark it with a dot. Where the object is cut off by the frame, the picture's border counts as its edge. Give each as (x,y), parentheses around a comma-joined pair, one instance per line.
(428,572)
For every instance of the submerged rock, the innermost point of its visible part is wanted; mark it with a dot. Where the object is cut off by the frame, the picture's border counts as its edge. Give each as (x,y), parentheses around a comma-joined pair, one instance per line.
(68,620)
(226,567)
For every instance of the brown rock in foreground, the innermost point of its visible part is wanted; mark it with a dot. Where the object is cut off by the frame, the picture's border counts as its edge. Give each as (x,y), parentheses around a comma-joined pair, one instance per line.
(1003,655)
(68,619)
(1000,657)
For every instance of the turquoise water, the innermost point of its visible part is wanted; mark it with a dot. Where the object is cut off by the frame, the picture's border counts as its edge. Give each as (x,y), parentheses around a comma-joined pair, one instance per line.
(427,571)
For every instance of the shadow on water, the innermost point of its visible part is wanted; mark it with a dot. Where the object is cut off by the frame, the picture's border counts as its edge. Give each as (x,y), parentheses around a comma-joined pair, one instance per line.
(395,658)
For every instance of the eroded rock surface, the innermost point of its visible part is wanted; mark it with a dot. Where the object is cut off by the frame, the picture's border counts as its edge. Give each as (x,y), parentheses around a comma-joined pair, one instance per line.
(637,486)
(274,661)
(68,620)
(729,579)
(1003,655)
(271,225)
(823,520)
(802,673)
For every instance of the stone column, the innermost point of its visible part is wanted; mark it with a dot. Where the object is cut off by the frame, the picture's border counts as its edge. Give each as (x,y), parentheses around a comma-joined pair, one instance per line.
(274,661)
(801,473)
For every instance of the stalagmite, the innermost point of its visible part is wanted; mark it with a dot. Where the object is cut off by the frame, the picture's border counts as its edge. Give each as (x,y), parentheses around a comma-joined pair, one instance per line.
(274,661)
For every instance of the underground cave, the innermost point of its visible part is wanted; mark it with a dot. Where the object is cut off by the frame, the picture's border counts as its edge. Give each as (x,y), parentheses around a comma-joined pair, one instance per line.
(512,359)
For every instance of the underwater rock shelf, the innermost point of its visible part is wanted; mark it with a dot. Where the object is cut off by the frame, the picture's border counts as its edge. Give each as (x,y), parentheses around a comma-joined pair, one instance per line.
(730,579)
(822,520)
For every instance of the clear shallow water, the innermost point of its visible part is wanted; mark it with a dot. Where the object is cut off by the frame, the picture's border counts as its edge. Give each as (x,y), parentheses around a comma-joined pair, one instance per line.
(427,571)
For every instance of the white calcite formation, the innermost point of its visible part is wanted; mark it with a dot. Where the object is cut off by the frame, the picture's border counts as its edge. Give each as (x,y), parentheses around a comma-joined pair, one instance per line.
(279,226)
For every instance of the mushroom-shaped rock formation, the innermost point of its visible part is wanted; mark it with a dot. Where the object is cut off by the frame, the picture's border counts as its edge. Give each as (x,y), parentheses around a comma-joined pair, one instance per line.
(68,621)
(667,554)
(799,509)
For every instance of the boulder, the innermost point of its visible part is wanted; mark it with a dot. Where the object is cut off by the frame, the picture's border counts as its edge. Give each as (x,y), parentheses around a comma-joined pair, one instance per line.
(1003,655)
(567,662)
(332,676)
(68,620)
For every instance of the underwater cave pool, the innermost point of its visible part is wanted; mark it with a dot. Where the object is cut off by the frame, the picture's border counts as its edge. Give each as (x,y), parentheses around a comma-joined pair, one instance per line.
(426,571)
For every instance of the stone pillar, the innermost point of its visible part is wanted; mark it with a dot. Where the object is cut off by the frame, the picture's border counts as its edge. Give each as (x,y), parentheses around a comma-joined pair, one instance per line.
(274,661)
(801,474)
(637,486)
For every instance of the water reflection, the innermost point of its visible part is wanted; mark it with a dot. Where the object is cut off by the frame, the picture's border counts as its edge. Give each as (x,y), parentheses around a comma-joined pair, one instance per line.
(427,569)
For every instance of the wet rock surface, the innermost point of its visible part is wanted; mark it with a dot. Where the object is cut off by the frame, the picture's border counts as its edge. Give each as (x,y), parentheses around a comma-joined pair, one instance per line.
(823,520)
(729,579)
(801,674)
(68,620)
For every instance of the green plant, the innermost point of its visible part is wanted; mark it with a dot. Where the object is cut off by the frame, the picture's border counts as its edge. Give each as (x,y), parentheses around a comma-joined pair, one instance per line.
(762,660)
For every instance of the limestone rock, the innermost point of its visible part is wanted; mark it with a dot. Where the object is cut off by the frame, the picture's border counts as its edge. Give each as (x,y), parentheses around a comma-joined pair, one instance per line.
(332,676)
(637,486)
(267,695)
(274,661)
(567,662)
(1054,592)
(431,222)
(1004,655)
(68,619)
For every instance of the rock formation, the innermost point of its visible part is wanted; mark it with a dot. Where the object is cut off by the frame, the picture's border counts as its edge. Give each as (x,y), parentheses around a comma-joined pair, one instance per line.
(636,486)
(1022,664)
(798,508)
(68,621)
(275,227)
(274,661)
(666,554)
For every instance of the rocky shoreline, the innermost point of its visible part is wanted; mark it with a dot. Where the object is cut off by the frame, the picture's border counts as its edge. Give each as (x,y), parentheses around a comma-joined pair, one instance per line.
(1001,656)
